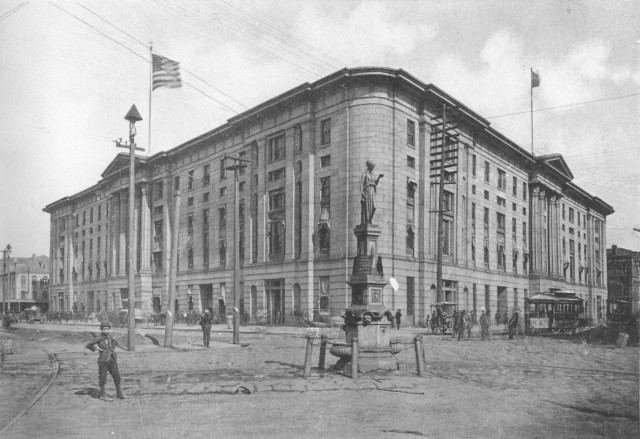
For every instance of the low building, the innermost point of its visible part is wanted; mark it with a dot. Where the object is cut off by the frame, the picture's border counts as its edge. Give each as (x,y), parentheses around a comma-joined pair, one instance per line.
(514,224)
(26,283)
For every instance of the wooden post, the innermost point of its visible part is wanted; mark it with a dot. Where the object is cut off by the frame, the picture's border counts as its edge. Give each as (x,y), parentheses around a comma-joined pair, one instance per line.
(354,358)
(417,341)
(307,356)
(323,350)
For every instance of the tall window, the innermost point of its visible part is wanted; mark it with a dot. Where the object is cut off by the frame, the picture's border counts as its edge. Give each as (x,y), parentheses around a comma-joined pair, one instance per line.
(502,180)
(158,187)
(297,139)
(473,165)
(524,190)
(325,131)
(190,240)
(411,133)
(205,238)
(524,233)
(206,177)
(176,182)
(222,235)
(223,169)
(325,214)
(190,180)
(486,172)
(514,187)
(275,148)
(501,222)
(323,300)
(241,220)
(276,235)
(298,221)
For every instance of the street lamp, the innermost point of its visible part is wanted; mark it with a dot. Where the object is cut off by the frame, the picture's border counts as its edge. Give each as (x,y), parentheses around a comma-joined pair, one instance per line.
(5,253)
(238,164)
(132,116)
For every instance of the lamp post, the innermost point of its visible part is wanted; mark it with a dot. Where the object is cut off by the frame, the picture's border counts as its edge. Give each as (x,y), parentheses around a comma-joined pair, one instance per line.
(132,116)
(5,254)
(238,164)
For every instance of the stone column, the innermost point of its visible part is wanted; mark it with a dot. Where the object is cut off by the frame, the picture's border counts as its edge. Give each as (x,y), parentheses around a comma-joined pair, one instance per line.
(145,230)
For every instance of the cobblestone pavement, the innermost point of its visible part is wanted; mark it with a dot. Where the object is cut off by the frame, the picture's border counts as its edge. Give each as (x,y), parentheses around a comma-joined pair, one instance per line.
(537,387)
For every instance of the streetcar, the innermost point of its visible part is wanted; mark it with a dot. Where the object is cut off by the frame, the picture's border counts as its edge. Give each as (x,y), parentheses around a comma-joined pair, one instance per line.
(554,311)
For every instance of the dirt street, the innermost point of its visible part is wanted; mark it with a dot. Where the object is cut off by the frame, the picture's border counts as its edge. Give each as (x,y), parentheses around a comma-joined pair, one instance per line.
(530,388)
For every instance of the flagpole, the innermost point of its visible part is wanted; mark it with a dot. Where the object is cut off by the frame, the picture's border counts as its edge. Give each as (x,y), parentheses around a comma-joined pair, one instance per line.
(531,91)
(150,91)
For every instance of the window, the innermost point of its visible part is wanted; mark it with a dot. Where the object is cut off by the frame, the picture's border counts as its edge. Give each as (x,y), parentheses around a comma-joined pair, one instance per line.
(276,175)
(501,256)
(411,133)
(190,201)
(223,170)
(473,189)
(100,215)
(571,215)
(297,138)
(473,165)
(325,131)
(486,195)
(91,216)
(447,241)
(205,238)
(324,235)
(190,180)
(323,300)
(242,169)
(524,233)
(158,187)
(411,162)
(158,210)
(206,177)
(205,197)
(222,234)
(176,182)
(501,202)
(276,239)
(502,180)
(514,227)
(325,161)
(447,202)
(514,187)
(276,199)
(275,148)
(524,190)
(486,172)
(223,191)
(501,222)
(514,207)
(563,211)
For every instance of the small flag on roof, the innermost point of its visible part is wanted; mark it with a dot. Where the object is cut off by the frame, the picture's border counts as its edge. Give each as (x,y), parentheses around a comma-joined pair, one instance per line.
(535,79)
(166,72)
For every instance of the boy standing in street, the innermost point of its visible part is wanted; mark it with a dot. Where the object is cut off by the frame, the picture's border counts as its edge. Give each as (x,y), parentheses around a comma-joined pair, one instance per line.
(107,360)
(205,324)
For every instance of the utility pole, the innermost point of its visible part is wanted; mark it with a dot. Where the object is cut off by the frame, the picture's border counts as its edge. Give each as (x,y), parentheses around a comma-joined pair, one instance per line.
(5,254)
(441,157)
(173,270)
(238,164)
(132,116)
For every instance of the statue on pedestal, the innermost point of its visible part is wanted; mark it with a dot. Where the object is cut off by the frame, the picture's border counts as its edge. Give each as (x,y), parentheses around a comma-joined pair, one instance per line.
(368,184)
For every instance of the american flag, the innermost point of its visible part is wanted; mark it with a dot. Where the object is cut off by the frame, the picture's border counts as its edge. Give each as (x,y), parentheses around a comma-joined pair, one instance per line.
(166,72)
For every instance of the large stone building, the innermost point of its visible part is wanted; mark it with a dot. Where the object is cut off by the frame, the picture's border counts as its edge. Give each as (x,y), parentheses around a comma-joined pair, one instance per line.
(623,271)
(514,224)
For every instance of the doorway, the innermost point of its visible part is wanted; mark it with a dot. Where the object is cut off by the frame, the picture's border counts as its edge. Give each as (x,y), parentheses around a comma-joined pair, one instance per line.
(275,301)
(206,296)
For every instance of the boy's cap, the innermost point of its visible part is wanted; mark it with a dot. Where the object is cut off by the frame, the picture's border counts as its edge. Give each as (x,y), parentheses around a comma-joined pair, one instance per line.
(105,325)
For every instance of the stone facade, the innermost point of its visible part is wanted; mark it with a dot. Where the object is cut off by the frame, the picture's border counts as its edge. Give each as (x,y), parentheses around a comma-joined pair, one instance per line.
(300,201)
(623,271)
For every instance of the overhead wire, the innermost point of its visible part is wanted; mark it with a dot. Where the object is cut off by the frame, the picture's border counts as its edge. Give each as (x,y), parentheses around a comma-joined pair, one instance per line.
(182,66)
(13,11)
(144,58)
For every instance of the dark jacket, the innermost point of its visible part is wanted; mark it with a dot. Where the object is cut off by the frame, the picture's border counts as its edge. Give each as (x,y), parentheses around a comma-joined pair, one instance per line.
(105,345)
(206,319)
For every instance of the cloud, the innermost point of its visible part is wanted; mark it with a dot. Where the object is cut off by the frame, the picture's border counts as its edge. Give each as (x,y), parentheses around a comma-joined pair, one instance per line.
(367,34)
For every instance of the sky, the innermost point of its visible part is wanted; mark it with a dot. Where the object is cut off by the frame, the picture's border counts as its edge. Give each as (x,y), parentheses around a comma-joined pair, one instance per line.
(70,71)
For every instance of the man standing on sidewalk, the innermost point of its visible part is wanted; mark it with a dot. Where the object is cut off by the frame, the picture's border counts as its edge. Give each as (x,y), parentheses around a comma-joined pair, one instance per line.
(484,324)
(205,324)
(107,359)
